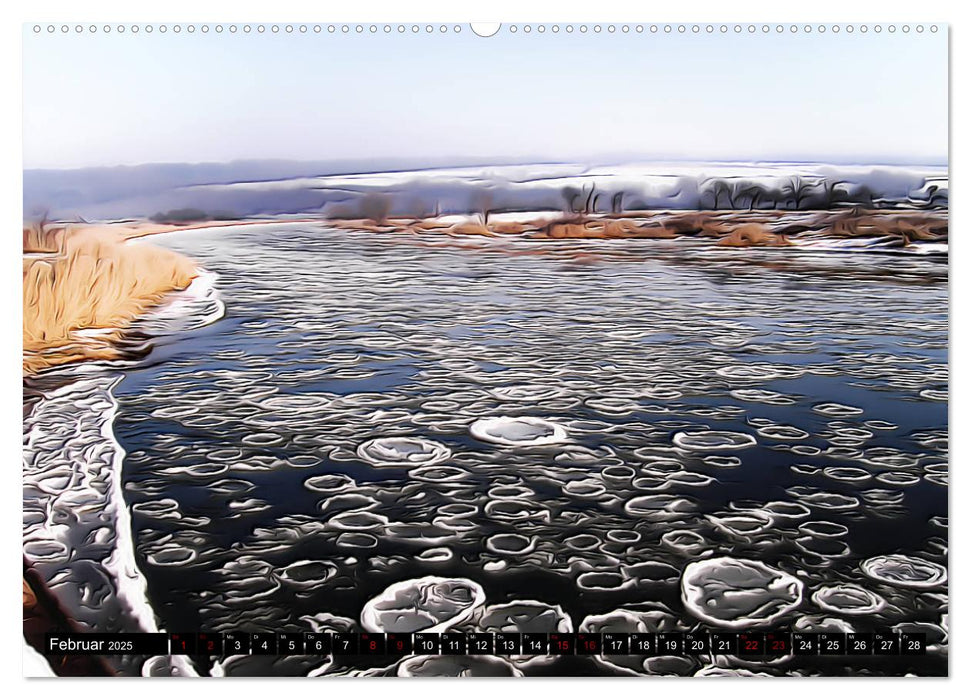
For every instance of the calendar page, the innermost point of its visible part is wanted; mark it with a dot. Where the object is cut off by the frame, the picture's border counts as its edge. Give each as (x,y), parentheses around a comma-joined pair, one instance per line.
(522,349)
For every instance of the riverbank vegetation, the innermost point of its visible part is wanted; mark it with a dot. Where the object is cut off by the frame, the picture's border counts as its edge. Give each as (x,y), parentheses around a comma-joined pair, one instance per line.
(83,286)
(738,228)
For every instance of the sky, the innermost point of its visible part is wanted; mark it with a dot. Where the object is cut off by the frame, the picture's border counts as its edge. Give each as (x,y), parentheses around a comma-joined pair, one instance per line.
(126,99)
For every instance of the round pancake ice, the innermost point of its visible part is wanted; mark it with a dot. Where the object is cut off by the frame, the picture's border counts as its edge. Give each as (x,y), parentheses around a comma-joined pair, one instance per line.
(848,599)
(526,392)
(403,452)
(904,571)
(525,616)
(455,667)
(429,604)
(712,440)
(524,431)
(738,593)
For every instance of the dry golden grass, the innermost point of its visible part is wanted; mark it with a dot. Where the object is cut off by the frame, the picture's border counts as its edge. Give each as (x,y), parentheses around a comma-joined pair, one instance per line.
(603,228)
(572,229)
(510,227)
(908,226)
(89,280)
(424,225)
(620,228)
(748,235)
(43,238)
(764,227)
(470,228)
(730,228)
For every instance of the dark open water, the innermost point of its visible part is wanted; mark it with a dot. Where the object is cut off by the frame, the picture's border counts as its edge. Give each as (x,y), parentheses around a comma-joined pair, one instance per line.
(771,406)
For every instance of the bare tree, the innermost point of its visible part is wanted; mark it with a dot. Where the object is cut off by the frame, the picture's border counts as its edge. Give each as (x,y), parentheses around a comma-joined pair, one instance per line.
(717,187)
(798,188)
(833,192)
(482,203)
(865,196)
(754,191)
(617,202)
(570,195)
(590,204)
(376,207)
(580,201)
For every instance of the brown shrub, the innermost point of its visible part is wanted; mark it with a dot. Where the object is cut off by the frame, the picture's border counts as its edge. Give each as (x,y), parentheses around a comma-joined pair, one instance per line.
(694,224)
(511,227)
(905,226)
(752,235)
(685,224)
(620,228)
(573,229)
(430,224)
(605,228)
(715,228)
(470,228)
(41,238)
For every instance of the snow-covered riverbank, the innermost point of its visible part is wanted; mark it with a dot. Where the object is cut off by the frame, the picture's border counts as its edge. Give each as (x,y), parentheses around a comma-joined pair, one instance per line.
(77,529)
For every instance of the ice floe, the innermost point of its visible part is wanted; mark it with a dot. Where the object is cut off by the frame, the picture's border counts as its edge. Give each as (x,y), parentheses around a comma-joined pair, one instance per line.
(455,666)
(848,599)
(738,593)
(523,431)
(428,604)
(524,616)
(905,571)
(403,452)
(712,440)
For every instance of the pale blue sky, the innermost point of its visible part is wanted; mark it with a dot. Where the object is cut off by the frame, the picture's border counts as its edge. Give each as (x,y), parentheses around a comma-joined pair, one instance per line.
(128,99)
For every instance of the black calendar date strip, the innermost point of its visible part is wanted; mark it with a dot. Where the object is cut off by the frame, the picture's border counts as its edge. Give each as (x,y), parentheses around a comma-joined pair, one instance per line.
(744,644)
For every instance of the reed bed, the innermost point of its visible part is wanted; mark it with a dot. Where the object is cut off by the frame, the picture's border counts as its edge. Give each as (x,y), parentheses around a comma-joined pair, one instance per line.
(82,287)
(735,228)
